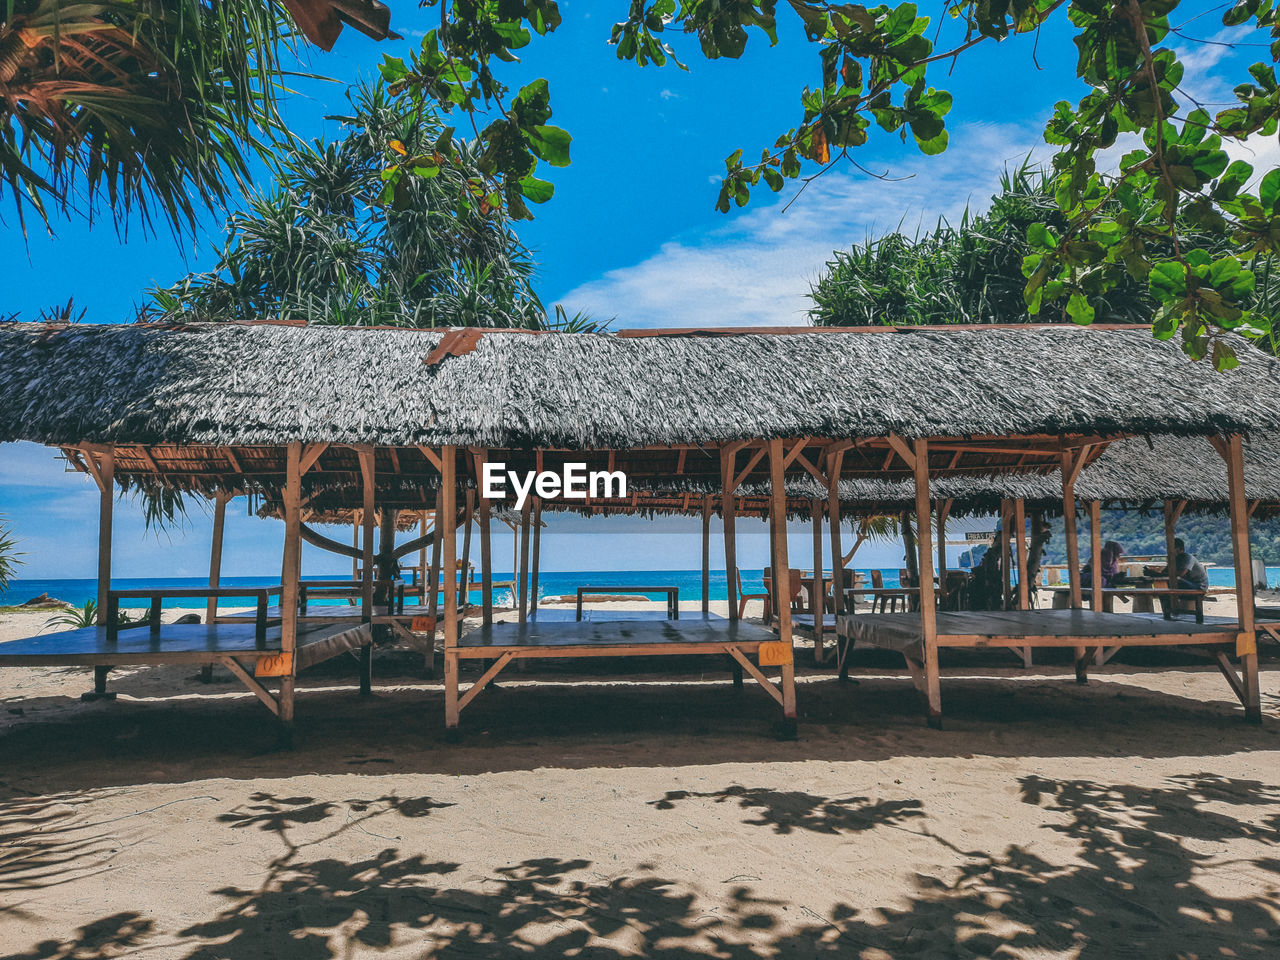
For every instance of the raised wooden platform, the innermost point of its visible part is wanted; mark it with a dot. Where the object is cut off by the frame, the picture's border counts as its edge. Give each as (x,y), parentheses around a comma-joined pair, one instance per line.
(615,638)
(1089,634)
(698,635)
(177,643)
(1033,628)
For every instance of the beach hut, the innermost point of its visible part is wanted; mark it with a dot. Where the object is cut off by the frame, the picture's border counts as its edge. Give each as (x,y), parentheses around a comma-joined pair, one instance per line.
(404,420)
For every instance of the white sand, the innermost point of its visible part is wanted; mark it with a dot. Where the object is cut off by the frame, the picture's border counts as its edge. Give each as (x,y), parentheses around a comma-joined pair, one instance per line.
(588,813)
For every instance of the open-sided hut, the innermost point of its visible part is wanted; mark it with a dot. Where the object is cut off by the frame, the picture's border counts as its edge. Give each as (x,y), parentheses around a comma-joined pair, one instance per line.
(393,420)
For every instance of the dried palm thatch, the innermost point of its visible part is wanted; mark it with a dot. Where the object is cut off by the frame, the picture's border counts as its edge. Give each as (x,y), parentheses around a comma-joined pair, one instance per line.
(270,384)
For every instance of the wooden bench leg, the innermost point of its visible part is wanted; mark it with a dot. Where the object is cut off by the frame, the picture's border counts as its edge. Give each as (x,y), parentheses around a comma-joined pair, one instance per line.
(1083,657)
(737,675)
(844,647)
(366,670)
(206,673)
(927,684)
(1243,684)
(100,691)
(451,710)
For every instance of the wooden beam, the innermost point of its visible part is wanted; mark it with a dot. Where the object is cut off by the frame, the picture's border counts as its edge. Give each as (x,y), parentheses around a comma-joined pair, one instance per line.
(757,675)
(537,554)
(1247,638)
(523,592)
(728,454)
(835,463)
(432,457)
(781,576)
(1095,554)
(495,668)
(367,515)
(819,595)
(479,459)
(706,554)
(311,455)
(445,520)
(215,553)
(251,682)
(1069,473)
(292,568)
(105,476)
(928,606)
(900,447)
(751,465)
(1020,532)
(943,511)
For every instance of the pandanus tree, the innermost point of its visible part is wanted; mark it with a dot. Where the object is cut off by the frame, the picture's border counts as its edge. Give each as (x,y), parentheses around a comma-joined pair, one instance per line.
(336,240)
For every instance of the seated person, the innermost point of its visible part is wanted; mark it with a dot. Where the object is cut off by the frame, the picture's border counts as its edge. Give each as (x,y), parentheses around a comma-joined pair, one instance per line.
(1111,554)
(1191,574)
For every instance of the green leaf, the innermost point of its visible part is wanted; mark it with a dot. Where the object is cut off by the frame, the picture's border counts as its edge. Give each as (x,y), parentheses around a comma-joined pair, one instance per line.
(535,190)
(1079,309)
(551,144)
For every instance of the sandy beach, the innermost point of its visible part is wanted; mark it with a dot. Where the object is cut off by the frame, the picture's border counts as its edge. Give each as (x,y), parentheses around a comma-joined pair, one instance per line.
(592,811)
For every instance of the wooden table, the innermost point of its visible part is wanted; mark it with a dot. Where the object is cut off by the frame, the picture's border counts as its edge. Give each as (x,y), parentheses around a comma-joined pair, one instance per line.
(673,596)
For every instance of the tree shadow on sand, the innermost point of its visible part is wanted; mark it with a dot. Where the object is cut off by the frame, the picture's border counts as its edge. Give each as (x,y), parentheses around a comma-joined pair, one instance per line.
(1149,875)
(789,810)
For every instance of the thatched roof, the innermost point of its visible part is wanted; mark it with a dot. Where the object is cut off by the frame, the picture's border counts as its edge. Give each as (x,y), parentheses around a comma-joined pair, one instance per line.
(226,384)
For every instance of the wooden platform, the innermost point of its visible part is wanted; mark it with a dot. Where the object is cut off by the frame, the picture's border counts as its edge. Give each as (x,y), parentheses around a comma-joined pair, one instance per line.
(320,612)
(177,643)
(616,638)
(699,635)
(1033,628)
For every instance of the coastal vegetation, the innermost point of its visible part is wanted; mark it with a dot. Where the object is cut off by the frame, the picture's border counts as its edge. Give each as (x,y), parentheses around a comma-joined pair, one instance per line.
(1119,221)
(151,107)
(331,240)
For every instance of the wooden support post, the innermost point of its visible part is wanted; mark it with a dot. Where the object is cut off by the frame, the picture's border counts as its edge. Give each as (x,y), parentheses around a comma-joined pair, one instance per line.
(706,555)
(1006,523)
(368,514)
(523,584)
(537,554)
(1069,527)
(106,504)
(447,523)
(727,457)
(1020,532)
(215,568)
(781,566)
(433,579)
(422,558)
(835,464)
(464,572)
(1170,534)
(486,547)
(355,543)
(819,597)
(943,511)
(928,606)
(1247,638)
(1095,554)
(292,566)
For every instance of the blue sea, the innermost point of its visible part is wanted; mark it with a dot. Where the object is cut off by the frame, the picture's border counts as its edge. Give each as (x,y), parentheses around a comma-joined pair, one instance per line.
(550,584)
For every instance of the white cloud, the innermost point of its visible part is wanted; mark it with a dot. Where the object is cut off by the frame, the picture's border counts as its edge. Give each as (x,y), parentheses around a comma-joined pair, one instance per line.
(669,95)
(756,270)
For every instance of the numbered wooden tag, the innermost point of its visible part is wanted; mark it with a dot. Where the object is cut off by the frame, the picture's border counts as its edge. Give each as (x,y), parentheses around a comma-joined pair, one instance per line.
(277,665)
(774,654)
(422,624)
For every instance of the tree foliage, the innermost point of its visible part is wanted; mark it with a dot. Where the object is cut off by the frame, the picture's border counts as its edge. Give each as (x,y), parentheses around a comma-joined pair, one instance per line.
(146,105)
(876,69)
(329,243)
(972,273)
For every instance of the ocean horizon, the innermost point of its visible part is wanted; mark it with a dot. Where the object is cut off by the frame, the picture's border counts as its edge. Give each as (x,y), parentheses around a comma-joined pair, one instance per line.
(550,584)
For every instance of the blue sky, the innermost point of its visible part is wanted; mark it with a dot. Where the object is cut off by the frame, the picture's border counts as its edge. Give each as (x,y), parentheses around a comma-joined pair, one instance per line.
(631,232)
